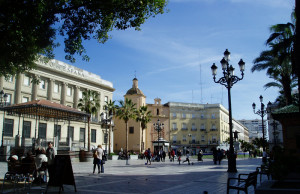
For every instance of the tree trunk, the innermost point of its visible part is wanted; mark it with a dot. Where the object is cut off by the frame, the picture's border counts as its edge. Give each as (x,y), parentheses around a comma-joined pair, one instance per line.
(126,137)
(89,135)
(142,140)
(109,132)
(286,83)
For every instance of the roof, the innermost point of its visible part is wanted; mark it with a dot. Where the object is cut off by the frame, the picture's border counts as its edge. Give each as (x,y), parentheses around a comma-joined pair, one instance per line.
(46,109)
(132,91)
(287,111)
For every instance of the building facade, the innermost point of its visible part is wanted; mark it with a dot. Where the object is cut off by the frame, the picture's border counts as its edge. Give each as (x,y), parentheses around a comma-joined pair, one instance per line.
(57,82)
(198,126)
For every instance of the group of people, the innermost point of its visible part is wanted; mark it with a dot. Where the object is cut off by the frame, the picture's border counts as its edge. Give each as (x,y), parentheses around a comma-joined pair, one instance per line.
(218,155)
(157,155)
(43,160)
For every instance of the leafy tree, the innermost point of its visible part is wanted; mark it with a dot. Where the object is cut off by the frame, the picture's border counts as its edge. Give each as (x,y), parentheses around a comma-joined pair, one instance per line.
(29,28)
(278,69)
(126,111)
(112,109)
(90,104)
(259,142)
(143,116)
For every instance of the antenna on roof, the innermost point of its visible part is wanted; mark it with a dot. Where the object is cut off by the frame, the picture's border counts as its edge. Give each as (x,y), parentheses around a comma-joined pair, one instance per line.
(134,73)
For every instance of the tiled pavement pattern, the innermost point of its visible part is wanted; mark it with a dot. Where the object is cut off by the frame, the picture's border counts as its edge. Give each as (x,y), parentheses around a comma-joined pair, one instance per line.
(163,177)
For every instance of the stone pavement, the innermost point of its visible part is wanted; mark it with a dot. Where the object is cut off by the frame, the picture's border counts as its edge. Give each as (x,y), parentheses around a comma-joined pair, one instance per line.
(157,178)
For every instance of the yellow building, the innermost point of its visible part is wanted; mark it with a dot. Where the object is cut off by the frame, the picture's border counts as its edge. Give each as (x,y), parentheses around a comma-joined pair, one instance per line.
(134,128)
(197,126)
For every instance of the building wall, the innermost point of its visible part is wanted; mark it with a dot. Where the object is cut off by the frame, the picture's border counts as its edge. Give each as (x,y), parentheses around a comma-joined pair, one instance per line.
(70,82)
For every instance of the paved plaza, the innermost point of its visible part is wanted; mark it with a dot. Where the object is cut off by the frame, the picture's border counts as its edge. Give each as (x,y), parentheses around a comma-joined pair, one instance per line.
(159,177)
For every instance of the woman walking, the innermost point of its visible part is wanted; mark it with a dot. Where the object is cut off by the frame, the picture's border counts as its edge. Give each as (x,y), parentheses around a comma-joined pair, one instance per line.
(98,159)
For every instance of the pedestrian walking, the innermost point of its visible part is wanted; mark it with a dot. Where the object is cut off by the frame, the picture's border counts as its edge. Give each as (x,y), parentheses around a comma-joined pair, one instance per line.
(50,153)
(172,155)
(164,155)
(200,155)
(187,159)
(98,153)
(179,156)
(148,156)
(219,155)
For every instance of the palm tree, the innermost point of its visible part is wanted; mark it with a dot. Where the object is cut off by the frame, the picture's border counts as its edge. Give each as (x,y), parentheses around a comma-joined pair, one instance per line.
(89,103)
(278,69)
(143,116)
(112,109)
(126,111)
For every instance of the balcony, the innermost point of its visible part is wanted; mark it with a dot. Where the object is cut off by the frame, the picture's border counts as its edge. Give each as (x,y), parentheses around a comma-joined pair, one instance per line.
(213,129)
(214,142)
(194,142)
(202,129)
(184,129)
(176,142)
(194,129)
(174,129)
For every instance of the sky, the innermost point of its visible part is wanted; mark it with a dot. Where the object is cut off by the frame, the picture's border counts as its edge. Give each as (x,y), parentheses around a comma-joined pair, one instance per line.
(172,54)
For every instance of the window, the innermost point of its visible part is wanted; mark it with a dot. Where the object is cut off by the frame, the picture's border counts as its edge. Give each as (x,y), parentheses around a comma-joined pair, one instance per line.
(183,115)
(157,111)
(174,115)
(26,80)
(26,129)
(202,127)
(56,88)
(57,131)
(80,94)
(131,130)
(194,127)
(42,84)
(184,138)
(25,99)
(213,127)
(8,127)
(202,116)
(174,138)
(213,115)
(105,99)
(82,135)
(71,132)
(8,102)
(183,126)
(202,138)
(193,116)
(174,126)
(42,130)
(69,91)
(214,139)
(93,135)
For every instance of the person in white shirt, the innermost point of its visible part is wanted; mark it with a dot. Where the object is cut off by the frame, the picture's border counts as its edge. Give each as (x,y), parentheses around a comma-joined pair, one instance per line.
(98,159)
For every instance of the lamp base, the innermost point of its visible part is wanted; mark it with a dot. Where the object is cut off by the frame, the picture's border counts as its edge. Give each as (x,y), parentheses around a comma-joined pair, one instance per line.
(232,162)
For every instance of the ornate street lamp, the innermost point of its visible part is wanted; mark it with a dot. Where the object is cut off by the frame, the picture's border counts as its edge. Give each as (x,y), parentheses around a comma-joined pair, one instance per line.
(228,80)
(3,100)
(106,120)
(262,112)
(158,127)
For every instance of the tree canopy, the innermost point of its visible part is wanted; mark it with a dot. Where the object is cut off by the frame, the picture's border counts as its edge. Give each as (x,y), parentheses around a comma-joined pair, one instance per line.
(29,28)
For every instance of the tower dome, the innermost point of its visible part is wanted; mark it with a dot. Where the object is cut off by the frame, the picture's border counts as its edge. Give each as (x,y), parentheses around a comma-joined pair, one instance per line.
(135,88)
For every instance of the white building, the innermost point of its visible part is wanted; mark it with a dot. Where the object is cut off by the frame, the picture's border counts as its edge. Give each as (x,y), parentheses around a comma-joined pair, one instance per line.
(61,83)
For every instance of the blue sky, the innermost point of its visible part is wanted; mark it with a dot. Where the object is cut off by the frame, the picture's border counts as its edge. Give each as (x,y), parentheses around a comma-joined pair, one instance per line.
(169,51)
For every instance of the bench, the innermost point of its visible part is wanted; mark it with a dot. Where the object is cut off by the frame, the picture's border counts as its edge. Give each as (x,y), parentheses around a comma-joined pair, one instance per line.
(263,170)
(242,182)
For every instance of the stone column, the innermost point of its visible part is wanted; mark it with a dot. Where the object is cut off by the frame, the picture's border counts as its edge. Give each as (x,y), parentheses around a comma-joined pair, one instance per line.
(76,96)
(50,89)
(63,93)
(18,88)
(34,88)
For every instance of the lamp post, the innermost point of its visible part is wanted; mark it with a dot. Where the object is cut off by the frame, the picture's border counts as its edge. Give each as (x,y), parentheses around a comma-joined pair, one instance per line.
(3,100)
(262,112)
(106,121)
(228,80)
(158,127)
